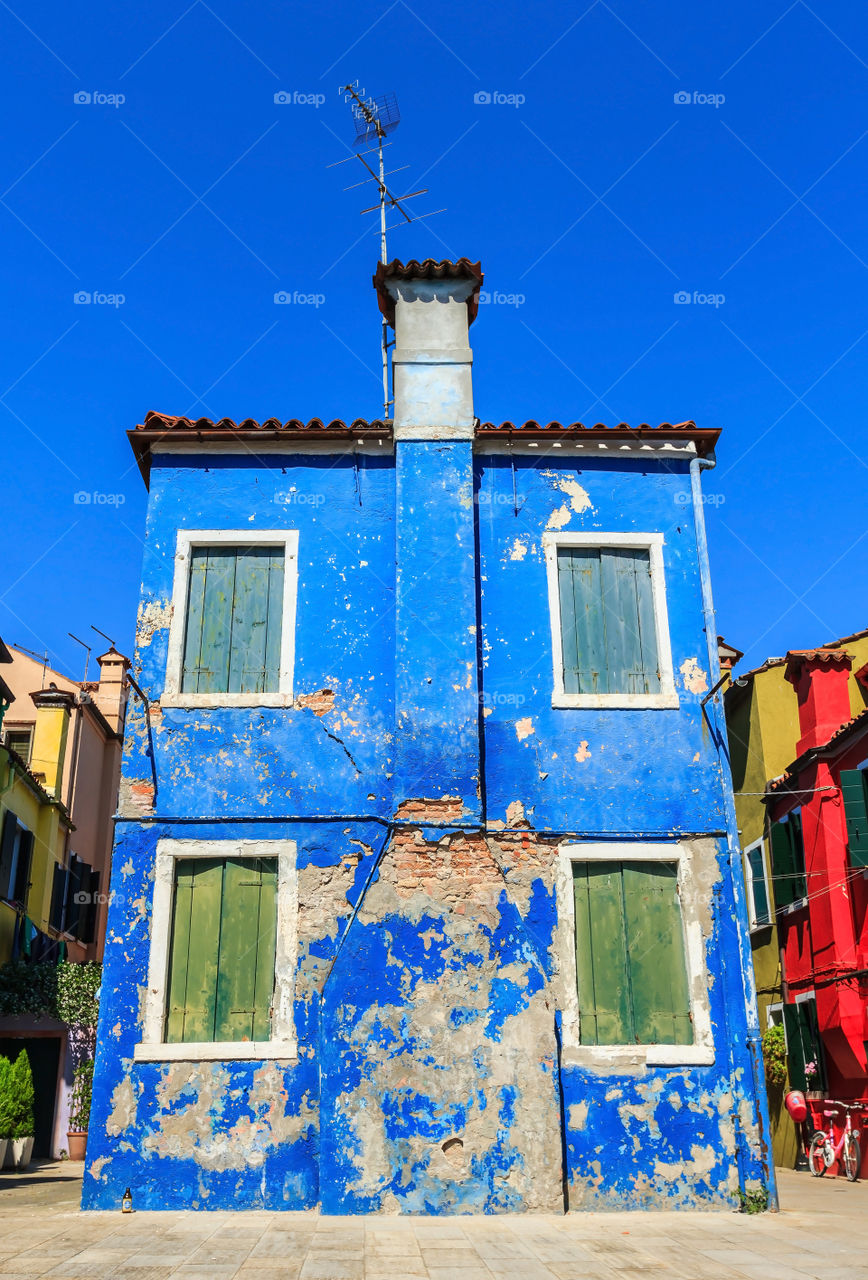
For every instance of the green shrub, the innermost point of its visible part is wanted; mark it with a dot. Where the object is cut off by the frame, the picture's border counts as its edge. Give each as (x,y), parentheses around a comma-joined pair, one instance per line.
(774,1046)
(6,1118)
(82,1090)
(753,1201)
(28,989)
(77,987)
(18,1091)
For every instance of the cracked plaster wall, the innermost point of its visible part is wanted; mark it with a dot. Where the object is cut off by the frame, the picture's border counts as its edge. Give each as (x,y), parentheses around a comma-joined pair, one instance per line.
(428,1075)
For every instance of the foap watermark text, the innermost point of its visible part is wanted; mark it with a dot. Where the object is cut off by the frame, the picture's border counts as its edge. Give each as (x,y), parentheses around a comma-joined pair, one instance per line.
(684,298)
(696,99)
(84,99)
(295,98)
(82,298)
(283,298)
(494,98)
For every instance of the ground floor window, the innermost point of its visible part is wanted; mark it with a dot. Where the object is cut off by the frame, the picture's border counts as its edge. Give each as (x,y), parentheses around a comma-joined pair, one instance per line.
(632,954)
(630,964)
(806,1064)
(221,961)
(222,956)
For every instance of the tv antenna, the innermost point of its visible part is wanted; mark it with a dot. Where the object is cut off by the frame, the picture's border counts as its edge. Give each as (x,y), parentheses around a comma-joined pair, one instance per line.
(375,119)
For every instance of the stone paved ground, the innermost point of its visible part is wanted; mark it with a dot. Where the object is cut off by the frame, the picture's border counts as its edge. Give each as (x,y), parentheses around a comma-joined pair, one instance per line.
(822,1232)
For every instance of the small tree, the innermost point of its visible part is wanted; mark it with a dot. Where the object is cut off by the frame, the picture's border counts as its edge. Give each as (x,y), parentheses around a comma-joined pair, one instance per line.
(21,1080)
(6,1118)
(82,1091)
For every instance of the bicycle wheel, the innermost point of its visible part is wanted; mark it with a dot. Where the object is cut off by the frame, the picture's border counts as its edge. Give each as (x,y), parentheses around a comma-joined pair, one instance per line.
(817,1154)
(852,1156)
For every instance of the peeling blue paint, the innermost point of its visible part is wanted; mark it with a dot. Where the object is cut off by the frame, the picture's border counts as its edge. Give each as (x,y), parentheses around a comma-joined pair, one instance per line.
(427,793)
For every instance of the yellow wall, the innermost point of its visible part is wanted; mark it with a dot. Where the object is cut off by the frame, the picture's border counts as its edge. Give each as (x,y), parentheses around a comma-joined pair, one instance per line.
(45,819)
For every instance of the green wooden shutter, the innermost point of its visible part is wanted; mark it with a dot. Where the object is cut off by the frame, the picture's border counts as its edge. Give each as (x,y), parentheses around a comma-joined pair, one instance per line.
(759,893)
(601,954)
(655,957)
(256,616)
(631,645)
(783,870)
(797,843)
(582,635)
(795,1052)
(245,980)
(221,968)
(192,987)
(853,792)
(234,619)
(608,633)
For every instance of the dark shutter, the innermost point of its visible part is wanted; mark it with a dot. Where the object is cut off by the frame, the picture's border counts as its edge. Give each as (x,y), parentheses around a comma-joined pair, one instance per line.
(22,867)
(7,853)
(76,889)
(87,917)
(58,898)
(853,792)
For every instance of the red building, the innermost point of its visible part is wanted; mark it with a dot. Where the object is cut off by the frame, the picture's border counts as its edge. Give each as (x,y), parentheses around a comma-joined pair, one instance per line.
(818,828)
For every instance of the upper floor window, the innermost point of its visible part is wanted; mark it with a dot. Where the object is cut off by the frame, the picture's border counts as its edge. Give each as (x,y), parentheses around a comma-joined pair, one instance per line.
(231,639)
(854,790)
(19,738)
(610,631)
(756,881)
(788,859)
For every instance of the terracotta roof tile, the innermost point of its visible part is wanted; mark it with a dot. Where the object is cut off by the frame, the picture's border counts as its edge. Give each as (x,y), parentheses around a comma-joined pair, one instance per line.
(462,269)
(704,438)
(166,422)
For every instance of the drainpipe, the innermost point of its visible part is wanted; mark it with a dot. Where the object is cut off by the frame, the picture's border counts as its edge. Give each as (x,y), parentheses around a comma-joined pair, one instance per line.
(717,720)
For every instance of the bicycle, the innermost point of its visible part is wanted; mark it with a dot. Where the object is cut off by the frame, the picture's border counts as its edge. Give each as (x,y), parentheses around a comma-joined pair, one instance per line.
(824,1151)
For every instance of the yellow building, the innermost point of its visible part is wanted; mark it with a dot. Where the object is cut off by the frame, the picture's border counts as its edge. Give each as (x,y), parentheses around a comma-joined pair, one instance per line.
(60,755)
(762,719)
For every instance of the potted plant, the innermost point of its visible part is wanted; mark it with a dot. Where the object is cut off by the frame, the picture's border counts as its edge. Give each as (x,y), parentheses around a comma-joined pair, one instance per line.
(5,1115)
(21,1108)
(812,1081)
(79,1114)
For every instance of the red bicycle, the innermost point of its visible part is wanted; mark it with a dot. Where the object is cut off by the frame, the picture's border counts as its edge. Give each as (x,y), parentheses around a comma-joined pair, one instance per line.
(824,1150)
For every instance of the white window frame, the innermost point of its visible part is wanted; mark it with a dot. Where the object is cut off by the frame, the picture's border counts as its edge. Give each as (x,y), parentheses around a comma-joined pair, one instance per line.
(748,883)
(701,1052)
(187,540)
(282,1045)
(651,542)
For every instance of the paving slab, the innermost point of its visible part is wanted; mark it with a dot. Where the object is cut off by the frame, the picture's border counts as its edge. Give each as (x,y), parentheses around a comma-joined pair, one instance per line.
(821,1233)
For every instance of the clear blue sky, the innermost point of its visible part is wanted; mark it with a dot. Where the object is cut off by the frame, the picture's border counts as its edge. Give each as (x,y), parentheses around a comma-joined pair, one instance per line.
(597,198)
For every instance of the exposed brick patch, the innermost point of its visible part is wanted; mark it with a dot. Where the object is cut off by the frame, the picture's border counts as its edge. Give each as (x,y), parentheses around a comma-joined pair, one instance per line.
(320,703)
(446,809)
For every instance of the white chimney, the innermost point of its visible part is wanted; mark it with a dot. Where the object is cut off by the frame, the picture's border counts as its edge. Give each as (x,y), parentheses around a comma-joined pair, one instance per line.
(430,306)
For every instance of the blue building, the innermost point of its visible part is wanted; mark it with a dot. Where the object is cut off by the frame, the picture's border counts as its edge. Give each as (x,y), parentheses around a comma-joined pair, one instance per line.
(423,895)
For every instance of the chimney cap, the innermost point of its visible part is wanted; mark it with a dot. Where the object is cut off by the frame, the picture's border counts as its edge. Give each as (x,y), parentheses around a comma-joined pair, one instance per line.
(462,269)
(795,659)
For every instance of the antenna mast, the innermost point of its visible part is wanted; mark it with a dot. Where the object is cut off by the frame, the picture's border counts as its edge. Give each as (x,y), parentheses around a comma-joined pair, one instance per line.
(374,118)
